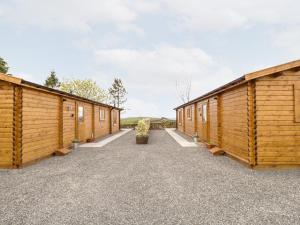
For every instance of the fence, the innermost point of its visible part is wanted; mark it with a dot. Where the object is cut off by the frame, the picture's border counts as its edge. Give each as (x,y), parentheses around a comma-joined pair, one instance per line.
(154,125)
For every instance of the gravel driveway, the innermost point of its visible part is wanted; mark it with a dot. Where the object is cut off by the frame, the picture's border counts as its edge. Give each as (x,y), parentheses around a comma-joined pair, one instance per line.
(160,183)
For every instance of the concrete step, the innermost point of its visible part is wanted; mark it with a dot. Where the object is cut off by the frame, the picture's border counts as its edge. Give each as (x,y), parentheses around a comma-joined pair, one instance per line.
(216,151)
(63,151)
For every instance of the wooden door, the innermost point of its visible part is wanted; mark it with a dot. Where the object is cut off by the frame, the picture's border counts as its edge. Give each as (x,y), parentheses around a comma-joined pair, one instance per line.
(202,118)
(81,122)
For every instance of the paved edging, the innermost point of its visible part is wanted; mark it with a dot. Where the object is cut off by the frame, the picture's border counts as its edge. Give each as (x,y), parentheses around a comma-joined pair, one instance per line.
(180,140)
(106,140)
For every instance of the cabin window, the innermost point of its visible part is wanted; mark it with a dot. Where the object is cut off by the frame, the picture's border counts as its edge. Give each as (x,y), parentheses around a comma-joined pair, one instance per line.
(80,113)
(204,113)
(180,117)
(189,113)
(102,114)
(115,117)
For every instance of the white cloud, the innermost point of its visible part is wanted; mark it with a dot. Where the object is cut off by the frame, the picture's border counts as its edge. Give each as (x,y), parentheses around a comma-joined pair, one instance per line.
(289,39)
(213,15)
(70,14)
(153,73)
(220,15)
(138,107)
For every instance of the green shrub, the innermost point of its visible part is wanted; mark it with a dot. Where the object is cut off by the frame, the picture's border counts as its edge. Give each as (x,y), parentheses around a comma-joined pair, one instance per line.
(142,128)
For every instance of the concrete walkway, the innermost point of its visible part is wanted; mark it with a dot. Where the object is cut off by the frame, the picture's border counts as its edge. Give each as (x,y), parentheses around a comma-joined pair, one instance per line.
(180,140)
(105,141)
(158,183)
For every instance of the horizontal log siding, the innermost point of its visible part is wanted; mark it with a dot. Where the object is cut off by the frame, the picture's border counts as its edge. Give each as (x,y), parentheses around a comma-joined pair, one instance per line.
(101,126)
(278,135)
(40,124)
(115,127)
(68,122)
(6,124)
(234,123)
(189,123)
(213,120)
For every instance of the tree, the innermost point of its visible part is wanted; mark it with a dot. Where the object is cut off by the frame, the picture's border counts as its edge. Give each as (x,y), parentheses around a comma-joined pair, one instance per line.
(184,90)
(85,88)
(117,93)
(3,66)
(52,81)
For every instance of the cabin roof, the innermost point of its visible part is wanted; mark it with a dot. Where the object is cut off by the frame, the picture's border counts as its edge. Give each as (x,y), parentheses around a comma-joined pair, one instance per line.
(245,78)
(25,83)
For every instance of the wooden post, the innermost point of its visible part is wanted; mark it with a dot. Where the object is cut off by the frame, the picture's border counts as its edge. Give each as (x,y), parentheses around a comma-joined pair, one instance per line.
(17,127)
(208,120)
(195,119)
(119,120)
(60,123)
(251,113)
(93,122)
(176,124)
(183,120)
(219,113)
(76,121)
(110,122)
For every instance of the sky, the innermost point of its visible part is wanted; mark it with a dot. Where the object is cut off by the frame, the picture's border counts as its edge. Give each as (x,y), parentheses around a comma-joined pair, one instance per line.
(150,44)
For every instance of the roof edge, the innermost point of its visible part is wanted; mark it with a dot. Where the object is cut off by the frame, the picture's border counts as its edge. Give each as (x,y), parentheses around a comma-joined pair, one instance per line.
(272,70)
(245,78)
(25,83)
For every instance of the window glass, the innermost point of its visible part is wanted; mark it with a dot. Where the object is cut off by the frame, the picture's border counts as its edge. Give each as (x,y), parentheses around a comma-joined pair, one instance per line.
(80,113)
(102,114)
(204,112)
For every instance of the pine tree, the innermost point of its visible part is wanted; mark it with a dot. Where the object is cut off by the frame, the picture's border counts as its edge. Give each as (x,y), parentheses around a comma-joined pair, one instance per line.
(52,81)
(3,66)
(117,93)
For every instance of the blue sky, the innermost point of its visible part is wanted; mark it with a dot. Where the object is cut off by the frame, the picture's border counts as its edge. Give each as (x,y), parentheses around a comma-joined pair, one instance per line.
(150,44)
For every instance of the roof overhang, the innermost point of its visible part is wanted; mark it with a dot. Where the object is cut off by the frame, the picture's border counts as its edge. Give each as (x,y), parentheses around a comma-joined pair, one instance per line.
(245,79)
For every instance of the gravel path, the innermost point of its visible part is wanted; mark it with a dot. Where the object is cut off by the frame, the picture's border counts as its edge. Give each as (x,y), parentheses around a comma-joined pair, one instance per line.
(160,183)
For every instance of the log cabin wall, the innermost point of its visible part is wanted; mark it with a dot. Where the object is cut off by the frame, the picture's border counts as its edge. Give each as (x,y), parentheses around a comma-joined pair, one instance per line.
(189,117)
(40,124)
(35,123)
(234,113)
(278,119)
(6,124)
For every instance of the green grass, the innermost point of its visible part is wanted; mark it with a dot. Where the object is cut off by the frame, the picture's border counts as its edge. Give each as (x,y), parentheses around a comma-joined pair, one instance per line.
(134,120)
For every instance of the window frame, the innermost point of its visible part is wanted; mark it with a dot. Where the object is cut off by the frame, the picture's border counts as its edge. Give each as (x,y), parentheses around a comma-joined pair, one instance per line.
(189,113)
(180,117)
(204,113)
(115,118)
(80,117)
(102,116)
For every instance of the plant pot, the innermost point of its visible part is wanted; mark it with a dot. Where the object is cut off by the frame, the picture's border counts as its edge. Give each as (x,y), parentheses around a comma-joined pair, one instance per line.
(75,145)
(140,140)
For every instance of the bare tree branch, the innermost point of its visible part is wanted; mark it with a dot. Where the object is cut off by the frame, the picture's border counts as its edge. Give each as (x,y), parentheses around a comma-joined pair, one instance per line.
(184,90)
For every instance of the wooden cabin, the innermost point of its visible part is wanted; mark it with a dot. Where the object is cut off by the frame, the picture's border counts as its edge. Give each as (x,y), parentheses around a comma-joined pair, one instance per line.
(36,121)
(255,118)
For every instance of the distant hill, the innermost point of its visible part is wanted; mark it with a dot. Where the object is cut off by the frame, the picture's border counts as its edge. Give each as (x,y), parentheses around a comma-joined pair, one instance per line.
(134,120)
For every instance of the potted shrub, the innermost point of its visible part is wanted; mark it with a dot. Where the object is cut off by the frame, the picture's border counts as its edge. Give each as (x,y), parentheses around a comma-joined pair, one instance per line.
(195,137)
(75,143)
(142,131)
